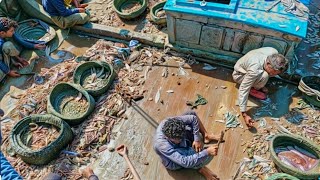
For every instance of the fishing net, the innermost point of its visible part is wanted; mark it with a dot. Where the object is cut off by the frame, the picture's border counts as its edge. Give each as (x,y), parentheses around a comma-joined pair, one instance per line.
(100,74)
(35,31)
(70,102)
(291,140)
(310,86)
(120,5)
(46,154)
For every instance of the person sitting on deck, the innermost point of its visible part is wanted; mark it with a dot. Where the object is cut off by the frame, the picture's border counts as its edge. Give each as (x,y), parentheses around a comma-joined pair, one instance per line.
(10,51)
(178,143)
(6,170)
(252,72)
(64,17)
(76,3)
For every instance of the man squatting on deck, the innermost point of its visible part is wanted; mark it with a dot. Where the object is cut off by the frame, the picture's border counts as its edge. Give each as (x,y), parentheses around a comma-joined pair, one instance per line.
(252,72)
(179,144)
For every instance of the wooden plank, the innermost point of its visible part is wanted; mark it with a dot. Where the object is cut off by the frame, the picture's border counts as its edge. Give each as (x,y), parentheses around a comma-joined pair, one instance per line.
(211,36)
(123,34)
(252,42)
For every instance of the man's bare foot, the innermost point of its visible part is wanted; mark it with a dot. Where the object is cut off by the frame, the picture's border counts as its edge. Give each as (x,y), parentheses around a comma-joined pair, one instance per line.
(211,137)
(87,172)
(265,90)
(208,174)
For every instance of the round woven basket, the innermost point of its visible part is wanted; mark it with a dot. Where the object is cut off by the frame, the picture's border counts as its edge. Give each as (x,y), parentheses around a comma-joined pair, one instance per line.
(157,7)
(311,82)
(289,140)
(119,4)
(46,154)
(84,70)
(62,90)
(35,31)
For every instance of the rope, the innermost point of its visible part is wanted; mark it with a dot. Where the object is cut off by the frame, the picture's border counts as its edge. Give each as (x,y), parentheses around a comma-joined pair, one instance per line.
(307,90)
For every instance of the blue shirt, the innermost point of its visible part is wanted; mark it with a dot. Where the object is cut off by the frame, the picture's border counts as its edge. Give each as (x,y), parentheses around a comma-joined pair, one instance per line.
(3,67)
(57,8)
(177,156)
(7,172)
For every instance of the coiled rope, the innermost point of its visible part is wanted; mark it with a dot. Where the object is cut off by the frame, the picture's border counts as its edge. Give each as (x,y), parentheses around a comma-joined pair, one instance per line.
(308,90)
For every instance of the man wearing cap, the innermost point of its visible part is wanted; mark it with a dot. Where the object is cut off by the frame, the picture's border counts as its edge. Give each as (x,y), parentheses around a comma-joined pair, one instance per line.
(252,72)
(9,52)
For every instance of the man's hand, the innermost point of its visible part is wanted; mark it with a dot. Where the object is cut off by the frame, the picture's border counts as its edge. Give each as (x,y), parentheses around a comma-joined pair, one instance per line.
(197,146)
(23,61)
(81,10)
(213,150)
(13,73)
(40,46)
(17,64)
(248,120)
(83,5)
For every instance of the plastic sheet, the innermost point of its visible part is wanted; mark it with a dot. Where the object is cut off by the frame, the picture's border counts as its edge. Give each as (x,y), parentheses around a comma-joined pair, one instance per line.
(297,157)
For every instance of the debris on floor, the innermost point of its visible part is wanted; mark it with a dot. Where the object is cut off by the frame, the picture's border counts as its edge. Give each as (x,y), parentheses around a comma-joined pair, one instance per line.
(96,130)
(200,101)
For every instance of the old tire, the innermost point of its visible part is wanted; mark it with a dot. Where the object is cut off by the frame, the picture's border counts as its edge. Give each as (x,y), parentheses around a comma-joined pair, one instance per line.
(118,4)
(34,34)
(46,154)
(311,83)
(285,140)
(83,70)
(282,176)
(153,12)
(66,89)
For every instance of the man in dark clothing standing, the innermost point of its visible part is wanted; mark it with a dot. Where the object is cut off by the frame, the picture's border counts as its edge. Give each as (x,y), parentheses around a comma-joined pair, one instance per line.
(63,16)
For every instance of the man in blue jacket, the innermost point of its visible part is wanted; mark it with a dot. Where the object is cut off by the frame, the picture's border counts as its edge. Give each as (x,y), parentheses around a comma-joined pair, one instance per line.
(64,17)
(9,52)
(6,170)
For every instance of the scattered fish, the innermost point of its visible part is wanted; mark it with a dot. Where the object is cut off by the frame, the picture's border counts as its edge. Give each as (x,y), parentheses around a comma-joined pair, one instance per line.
(208,67)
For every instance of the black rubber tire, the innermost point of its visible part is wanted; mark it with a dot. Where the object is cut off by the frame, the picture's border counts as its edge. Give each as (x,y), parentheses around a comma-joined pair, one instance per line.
(63,89)
(46,154)
(285,140)
(83,69)
(282,176)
